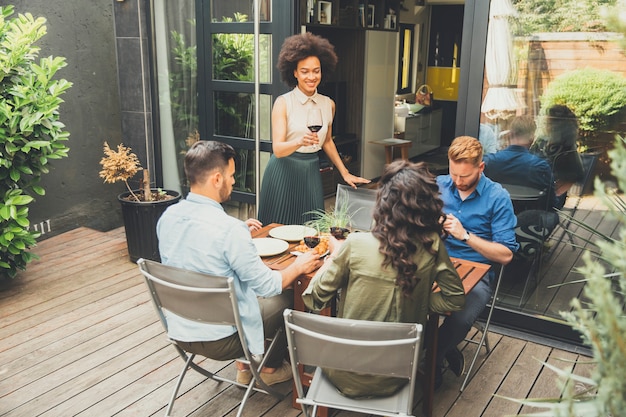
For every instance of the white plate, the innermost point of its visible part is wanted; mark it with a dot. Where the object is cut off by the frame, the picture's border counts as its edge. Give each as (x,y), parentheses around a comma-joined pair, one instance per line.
(267,246)
(292,233)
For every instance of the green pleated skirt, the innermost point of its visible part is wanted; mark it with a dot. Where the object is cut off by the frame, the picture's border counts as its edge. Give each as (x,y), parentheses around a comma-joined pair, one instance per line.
(291,188)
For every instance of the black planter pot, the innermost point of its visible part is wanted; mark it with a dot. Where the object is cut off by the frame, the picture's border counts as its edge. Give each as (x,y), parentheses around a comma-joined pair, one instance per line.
(140,220)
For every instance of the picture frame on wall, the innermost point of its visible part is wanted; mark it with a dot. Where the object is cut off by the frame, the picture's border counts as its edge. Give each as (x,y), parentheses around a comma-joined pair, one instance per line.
(370,15)
(324,12)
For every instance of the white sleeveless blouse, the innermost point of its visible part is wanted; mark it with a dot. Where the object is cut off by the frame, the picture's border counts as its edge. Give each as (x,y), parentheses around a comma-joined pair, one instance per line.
(297,105)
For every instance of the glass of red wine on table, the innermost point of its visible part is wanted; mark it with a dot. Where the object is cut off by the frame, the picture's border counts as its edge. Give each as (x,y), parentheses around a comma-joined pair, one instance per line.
(312,240)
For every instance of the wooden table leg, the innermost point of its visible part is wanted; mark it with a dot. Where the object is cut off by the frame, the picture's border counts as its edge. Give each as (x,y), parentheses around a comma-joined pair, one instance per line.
(388,154)
(404,151)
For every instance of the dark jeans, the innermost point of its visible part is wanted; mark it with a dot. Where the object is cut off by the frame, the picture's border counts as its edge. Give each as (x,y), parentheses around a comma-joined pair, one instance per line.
(230,347)
(458,323)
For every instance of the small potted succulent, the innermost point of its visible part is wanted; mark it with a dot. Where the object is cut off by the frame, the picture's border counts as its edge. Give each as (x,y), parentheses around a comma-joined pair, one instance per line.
(141,208)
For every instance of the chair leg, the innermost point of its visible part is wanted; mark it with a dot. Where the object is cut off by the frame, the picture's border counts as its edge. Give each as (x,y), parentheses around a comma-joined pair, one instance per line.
(483,338)
(189,360)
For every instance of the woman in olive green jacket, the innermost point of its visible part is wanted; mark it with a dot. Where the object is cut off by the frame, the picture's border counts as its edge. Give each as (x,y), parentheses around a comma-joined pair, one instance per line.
(388,274)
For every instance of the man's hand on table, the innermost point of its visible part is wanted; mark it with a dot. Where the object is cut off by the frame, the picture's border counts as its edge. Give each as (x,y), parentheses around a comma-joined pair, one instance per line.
(307,262)
(253,225)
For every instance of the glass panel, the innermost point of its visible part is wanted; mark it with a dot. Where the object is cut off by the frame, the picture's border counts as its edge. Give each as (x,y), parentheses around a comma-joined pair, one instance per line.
(233,57)
(177,69)
(234,114)
(242,211)
(244,171)
(563,69)
(222,9)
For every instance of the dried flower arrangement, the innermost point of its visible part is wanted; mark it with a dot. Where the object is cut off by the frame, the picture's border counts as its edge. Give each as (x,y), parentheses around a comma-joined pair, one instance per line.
(123,164)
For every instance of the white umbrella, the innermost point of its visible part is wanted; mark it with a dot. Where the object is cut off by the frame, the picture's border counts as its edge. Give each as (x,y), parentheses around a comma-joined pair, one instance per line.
(501,100)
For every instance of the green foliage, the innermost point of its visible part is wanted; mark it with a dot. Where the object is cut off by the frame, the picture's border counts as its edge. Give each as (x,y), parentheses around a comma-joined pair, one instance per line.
(597,98)
(335,217)
(616,19)
(560,15)
(31,133)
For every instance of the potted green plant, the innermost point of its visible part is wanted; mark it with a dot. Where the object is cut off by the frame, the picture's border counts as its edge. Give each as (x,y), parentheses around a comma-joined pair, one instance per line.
(335,221)
(141,208)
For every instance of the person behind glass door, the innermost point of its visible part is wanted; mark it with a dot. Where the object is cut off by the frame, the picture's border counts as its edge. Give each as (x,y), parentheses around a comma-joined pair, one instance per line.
(292,184)
(517,166)
(558,144)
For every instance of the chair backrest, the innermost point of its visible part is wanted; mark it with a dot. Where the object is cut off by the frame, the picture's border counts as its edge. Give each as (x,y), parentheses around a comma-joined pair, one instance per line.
(532,229)
(188,294)
(360,204)
(369,347)
(589,161)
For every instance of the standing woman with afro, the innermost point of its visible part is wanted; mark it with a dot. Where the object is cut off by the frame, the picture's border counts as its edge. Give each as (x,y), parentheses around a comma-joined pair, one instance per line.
(292,184)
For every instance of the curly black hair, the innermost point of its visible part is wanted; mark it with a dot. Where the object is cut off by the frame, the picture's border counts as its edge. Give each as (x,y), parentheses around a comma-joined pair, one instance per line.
(298,47)
(408,211)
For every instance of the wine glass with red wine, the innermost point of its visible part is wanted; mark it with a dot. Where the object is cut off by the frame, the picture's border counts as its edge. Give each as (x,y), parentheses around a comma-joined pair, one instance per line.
(311,241)
(314,120)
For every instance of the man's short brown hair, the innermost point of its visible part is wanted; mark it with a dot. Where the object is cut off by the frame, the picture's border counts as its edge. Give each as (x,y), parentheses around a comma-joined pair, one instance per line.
(466,149)
(523,127)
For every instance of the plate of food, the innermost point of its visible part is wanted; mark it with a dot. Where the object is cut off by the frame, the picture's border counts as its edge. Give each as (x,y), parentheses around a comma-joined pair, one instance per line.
(292,233)
(267,246)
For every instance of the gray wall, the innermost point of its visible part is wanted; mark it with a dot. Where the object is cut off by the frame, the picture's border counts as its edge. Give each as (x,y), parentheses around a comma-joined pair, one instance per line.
(84,33)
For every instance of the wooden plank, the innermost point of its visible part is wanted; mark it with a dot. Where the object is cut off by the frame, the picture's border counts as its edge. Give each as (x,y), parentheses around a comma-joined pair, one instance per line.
(37,364)
(58,327)
(45,304)
(61,385)
(493,370)
(546,385)
(519,380)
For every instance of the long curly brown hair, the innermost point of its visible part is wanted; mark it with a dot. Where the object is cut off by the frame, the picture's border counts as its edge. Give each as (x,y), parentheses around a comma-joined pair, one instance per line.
(298,47)
(408,211)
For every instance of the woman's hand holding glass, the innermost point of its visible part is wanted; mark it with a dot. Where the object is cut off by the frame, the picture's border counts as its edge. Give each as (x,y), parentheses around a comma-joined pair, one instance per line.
(310,139)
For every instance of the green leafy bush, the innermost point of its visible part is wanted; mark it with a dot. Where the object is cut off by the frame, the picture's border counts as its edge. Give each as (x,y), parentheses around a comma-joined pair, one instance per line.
(597,98)
(30,131)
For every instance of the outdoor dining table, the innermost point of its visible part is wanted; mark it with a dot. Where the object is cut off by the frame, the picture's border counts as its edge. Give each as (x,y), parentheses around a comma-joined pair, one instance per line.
(524,197)
(470,272)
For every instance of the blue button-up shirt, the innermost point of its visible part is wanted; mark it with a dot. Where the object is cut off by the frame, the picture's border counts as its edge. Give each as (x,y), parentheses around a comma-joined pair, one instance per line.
(486,213)
(516,165)
(198,235)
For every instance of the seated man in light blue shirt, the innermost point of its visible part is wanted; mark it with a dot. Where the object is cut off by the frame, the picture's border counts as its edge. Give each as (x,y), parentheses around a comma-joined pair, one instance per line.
(197,234)
(480,223)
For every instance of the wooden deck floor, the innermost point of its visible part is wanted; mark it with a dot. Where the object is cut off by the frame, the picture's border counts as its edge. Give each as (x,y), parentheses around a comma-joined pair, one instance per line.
(78,337)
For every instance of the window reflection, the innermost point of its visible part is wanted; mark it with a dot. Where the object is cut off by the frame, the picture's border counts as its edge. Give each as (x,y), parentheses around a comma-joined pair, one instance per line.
(233,57)
(220,9)
(234,114)
(561,67)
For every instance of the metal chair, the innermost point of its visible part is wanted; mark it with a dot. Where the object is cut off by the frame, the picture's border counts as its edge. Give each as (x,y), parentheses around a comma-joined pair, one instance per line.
(366,347)
(532,231)
(360,204)
(205,299)
(484,329)
(589,161)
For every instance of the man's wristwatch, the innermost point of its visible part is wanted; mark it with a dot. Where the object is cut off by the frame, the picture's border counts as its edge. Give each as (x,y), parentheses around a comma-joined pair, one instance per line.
(466,237)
